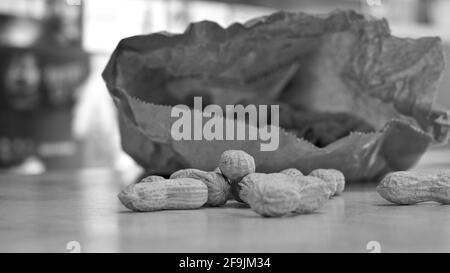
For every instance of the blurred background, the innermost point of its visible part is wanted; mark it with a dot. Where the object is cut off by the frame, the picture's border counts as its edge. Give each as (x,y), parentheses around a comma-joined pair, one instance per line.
(55,112)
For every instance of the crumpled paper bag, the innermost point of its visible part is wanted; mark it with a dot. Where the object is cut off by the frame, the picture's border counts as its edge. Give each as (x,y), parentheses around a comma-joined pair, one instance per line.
(341,62)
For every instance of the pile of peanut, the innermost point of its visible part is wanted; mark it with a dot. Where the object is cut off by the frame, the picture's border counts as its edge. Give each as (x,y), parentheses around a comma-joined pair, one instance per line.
(275,194)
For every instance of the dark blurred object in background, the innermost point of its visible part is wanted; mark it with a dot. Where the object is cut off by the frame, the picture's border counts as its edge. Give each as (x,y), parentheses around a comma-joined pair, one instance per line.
(42,67)
(63,23)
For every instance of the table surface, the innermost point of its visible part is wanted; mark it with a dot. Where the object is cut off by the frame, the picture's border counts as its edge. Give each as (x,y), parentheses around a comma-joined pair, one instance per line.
(44,213)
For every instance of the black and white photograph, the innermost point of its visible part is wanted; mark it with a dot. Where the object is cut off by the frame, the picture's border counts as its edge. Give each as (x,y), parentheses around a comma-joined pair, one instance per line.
(235,128)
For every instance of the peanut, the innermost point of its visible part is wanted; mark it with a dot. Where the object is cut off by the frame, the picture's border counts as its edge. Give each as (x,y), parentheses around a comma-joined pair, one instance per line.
(185,193)
(292,172)
(334,179)
(406,188)
(218,186)
(185,173)
(274,198)
(151,178)
(235,164)
(314,193)
(241,189)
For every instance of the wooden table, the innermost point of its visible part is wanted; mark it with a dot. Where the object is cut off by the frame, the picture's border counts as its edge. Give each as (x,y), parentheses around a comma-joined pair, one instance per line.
(46,212)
